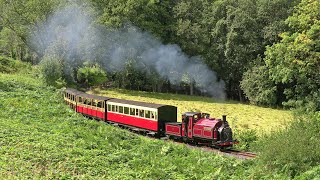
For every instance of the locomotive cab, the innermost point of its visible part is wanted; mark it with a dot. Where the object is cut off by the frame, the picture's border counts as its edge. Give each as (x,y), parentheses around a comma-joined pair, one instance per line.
(188,121)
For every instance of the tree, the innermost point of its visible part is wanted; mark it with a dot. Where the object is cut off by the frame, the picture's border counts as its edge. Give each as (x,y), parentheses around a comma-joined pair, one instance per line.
(154,16)
(24,19)
(258,86)
(51,70)
(229,34)
(295,61)
(91,75)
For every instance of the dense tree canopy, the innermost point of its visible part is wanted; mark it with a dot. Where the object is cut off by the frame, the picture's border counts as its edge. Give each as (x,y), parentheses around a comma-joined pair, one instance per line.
(295,61)
(20,20)
(292,66)
(238,39)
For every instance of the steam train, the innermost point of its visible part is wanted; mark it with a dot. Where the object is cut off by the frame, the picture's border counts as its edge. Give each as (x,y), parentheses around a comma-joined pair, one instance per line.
(154,119)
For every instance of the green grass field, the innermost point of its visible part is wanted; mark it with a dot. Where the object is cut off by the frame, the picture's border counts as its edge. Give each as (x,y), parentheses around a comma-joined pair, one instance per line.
(240,116)
(40,137)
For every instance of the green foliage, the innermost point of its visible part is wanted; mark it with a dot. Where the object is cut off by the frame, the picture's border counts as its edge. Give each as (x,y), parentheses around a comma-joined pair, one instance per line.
(293,150)
(246,138)
(51,70)
(9,65)
(229,34)
(60,83)
(91,75)
(151,15)
(314,173)
(42,138)
(20,19)
(294,61)
(258,87)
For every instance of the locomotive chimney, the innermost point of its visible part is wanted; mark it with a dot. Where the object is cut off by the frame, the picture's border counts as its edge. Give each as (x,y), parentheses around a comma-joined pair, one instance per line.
(224,118)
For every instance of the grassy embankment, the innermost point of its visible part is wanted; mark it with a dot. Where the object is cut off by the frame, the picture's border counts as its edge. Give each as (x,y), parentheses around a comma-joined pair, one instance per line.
(42,137)
(240,116)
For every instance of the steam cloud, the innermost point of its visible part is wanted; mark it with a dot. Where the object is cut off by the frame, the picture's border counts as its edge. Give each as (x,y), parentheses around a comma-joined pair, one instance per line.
(70,32)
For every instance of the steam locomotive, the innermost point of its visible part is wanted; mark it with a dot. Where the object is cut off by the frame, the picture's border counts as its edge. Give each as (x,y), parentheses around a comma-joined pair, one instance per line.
(154,119)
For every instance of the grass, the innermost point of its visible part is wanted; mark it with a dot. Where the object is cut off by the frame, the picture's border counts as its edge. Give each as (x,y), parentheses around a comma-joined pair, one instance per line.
(240,116)
(40,137)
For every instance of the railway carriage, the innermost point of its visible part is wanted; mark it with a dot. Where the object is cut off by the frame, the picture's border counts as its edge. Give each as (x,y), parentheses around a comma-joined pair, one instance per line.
(92,105)
(143,116)
(70,96)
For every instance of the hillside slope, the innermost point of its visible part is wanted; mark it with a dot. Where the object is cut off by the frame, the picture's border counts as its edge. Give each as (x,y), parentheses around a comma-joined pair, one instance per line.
(240,116)
(42,137)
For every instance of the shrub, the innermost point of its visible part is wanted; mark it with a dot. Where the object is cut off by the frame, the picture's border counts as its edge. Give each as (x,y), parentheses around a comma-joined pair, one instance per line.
(91,75)
(246,138)
(9,65)
(51,70)
(295,149)
(257,86)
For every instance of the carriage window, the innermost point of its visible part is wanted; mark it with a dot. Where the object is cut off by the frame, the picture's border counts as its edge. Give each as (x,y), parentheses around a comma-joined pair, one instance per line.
(84,101)
(148,114)
(126,110)
(120,109)
(137,112)
(109,107)
(80,99)
(153,115)
(99,104)
(132,111)
(94,103)
(102,104)
(141,113)
(113,108)
(116,109)
(89,102)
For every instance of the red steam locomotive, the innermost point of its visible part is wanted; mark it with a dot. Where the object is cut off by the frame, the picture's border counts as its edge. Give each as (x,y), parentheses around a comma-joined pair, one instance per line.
(155,119)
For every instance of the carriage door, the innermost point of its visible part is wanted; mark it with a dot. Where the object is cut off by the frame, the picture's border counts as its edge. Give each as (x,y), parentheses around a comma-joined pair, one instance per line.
(190,127)
(185,125)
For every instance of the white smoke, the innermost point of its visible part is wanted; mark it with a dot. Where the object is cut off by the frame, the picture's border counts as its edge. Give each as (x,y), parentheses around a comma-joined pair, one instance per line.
(73,29)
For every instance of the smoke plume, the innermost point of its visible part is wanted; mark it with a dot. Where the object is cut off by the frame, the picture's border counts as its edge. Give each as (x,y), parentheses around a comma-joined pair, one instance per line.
(72,35)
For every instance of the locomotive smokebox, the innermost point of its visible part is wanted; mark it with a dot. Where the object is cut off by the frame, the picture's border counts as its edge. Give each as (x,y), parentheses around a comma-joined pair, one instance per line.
(224,118)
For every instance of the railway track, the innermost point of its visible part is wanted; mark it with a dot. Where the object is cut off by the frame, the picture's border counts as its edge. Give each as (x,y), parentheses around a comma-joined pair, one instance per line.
(229,152)
(241,154)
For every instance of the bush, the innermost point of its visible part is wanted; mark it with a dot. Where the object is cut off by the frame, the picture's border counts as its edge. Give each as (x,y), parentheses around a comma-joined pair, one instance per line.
(91,75)
(51,70)
(246,139)
(257,86)
(295,149)
(9,65)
